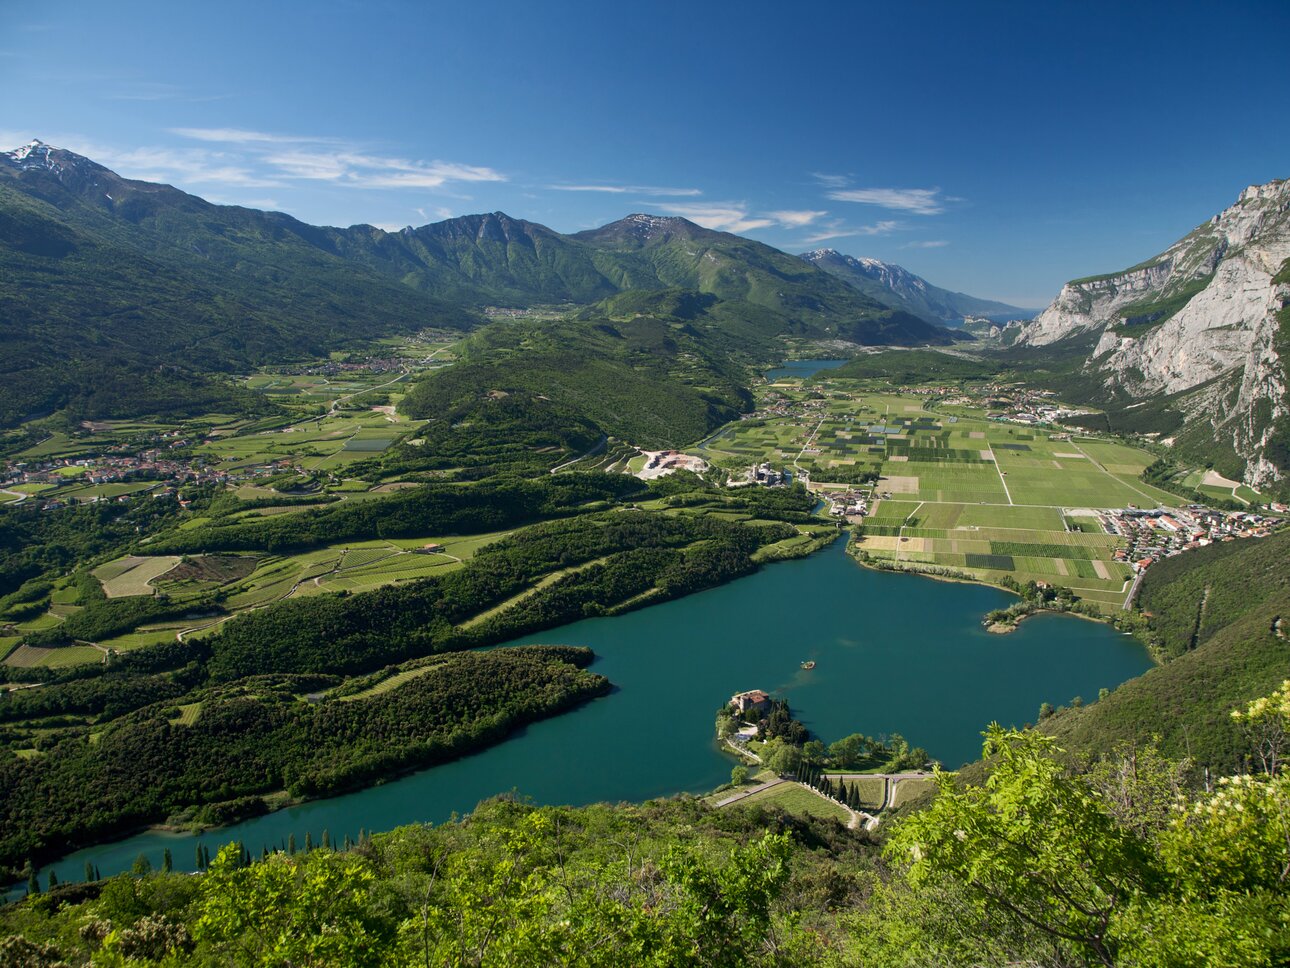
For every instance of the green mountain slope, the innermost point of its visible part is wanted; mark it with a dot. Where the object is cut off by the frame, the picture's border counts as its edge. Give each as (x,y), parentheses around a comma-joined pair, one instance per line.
(629,365)
(1220,611)
(104,280)
(107,280)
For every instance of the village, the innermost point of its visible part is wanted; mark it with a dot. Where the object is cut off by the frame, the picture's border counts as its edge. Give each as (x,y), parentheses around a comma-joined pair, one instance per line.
(56,483)
(1159,533)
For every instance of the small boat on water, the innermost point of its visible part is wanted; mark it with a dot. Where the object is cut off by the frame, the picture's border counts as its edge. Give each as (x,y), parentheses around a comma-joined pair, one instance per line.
(808,664)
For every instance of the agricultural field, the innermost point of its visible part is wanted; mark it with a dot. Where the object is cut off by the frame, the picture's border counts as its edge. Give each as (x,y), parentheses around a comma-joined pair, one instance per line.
(956,492)
(797,799)
(133,575)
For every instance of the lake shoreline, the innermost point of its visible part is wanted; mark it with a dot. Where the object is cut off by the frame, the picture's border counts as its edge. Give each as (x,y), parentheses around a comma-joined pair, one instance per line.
(747,634)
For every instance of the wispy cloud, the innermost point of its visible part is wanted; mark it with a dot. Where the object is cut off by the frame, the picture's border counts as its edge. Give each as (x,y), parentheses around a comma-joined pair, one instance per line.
(796,219)
(916,201)
(289,157)
(737,217)
(831,181)
(722,216)
(929,244)
(652,190)
(837,229)
(434,213)
(241,136)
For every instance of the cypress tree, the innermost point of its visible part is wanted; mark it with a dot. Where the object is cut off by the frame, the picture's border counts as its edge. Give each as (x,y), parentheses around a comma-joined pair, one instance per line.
(206,858)
(167,862)
(33,884)
(53,879)
(326,840)
(309,842)
(291,845)
(89,872)
(349,844)
(97,875)
(200,864)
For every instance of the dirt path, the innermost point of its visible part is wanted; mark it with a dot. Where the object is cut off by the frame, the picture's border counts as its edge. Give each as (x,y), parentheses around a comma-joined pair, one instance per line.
(600,444)
(745,794)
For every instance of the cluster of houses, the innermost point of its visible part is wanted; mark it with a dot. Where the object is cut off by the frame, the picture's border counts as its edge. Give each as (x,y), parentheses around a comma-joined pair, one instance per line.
(1157,533)
(850,504)
(63,475)
(1027,407)
(336,368)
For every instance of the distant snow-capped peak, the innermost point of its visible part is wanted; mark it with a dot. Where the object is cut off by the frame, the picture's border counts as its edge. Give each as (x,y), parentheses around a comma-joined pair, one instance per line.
(36,155)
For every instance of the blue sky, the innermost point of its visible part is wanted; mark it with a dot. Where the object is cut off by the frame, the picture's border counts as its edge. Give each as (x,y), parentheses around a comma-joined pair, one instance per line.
(995,148)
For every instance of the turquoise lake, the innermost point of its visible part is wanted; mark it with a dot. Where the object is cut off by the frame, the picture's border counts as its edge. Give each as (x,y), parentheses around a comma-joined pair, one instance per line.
(894,653)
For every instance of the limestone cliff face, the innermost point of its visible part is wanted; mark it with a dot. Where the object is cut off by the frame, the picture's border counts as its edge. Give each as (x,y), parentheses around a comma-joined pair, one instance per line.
(1202,314)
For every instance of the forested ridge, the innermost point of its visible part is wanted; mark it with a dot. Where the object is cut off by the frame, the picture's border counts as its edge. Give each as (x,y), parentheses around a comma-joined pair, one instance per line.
(258,736)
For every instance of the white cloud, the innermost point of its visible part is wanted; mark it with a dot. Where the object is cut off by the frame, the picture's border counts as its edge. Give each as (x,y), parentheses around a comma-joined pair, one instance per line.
(916,201)
(241,136)
(721,216)
(434,213)
(294,157)
(736,216)
(837,229)
(653,190)
(929,244)
(830,181)
(796,219)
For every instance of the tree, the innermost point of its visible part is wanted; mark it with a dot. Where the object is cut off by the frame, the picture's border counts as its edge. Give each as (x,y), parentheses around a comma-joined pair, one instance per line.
(141,865)
(167,862)
(848,753)
(739,775)
(89,872)
(313,910)
(780,757)
(53,878)
(291,845)
(1034,843)
(200,859)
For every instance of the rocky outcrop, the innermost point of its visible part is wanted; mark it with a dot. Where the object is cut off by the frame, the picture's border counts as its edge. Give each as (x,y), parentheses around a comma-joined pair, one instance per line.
(1202,314)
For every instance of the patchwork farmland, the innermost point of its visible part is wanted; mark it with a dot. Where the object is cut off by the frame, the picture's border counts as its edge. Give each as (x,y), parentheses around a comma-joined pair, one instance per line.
(955,492)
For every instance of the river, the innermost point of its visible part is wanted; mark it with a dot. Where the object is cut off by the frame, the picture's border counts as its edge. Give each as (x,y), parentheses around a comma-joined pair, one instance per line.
(894,653)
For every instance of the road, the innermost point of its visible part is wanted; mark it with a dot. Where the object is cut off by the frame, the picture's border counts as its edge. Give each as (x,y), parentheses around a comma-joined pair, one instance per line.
(594,450)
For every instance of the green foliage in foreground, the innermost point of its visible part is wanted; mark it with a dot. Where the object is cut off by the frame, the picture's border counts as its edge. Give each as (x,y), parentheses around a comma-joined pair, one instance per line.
(1118,863)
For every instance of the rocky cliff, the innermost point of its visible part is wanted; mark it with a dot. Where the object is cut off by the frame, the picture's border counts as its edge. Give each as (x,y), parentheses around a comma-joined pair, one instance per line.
(1200,323)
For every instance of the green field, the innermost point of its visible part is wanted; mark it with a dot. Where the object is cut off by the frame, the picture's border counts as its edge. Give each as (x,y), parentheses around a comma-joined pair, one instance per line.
(981,498)
(796,799)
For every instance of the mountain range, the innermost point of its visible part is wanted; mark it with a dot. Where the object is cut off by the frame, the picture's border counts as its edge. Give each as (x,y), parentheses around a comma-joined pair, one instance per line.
(103,276)
(1193,344)
(898,287)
